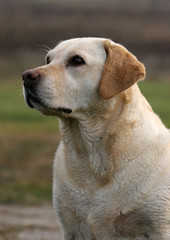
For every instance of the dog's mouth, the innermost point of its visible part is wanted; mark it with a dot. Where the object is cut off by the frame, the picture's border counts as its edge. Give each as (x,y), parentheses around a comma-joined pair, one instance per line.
(34,101)
(30,99)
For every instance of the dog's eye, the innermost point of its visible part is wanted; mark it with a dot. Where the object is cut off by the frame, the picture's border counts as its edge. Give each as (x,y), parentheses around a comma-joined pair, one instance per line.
(48,60)
(76,61)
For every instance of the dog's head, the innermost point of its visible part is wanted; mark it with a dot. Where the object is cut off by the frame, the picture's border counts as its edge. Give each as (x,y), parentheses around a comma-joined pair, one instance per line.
(80,73)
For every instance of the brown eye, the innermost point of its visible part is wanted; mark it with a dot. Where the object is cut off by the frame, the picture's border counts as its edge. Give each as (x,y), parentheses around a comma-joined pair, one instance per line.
(48,60)
(76,61)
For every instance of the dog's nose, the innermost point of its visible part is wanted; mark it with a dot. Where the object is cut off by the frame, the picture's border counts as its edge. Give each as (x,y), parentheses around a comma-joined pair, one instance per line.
(30,77)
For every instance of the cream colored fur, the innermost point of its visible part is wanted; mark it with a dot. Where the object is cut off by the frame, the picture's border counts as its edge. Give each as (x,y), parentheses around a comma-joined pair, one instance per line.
(112,167)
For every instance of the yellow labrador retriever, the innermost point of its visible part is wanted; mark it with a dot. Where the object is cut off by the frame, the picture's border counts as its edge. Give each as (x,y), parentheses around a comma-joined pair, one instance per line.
(112,167)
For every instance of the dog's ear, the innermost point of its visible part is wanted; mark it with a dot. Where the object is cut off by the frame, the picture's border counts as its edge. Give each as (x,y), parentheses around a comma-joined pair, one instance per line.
(121,70)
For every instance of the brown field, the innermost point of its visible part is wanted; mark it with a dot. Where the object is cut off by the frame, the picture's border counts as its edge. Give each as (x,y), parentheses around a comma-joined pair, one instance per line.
(29,223)
(142,26)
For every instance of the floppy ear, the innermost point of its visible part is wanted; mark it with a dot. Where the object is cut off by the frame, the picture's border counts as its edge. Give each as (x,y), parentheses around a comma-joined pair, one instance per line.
(121,70)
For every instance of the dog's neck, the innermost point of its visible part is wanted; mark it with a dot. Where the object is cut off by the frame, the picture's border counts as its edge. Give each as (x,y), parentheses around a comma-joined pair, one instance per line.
(97,137)
(86,137)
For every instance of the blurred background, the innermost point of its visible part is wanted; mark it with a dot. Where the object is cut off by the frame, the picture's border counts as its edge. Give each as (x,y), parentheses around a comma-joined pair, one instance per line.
(28,140)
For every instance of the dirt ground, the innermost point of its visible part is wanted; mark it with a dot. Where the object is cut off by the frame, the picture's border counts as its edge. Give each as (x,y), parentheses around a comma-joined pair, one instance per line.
(29,223)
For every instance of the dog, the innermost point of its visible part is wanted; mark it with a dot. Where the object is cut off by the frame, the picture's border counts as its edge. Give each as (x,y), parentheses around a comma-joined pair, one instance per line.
(112,166)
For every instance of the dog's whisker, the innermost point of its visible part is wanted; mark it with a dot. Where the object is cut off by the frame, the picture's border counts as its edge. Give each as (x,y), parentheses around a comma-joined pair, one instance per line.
(43,47)
(20,93)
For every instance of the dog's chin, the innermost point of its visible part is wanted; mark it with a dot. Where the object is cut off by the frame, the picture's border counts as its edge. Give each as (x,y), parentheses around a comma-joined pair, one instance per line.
(34,102)
(47,110)
(51,112)
(40,105)
(59,112)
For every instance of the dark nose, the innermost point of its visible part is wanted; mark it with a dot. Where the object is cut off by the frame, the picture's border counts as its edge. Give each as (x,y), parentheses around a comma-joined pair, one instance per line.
(30,77)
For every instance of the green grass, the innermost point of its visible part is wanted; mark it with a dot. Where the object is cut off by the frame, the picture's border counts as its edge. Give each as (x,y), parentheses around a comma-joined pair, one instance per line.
(29,140)
(25,192)
(26,167)
(15,116)
(158,95)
